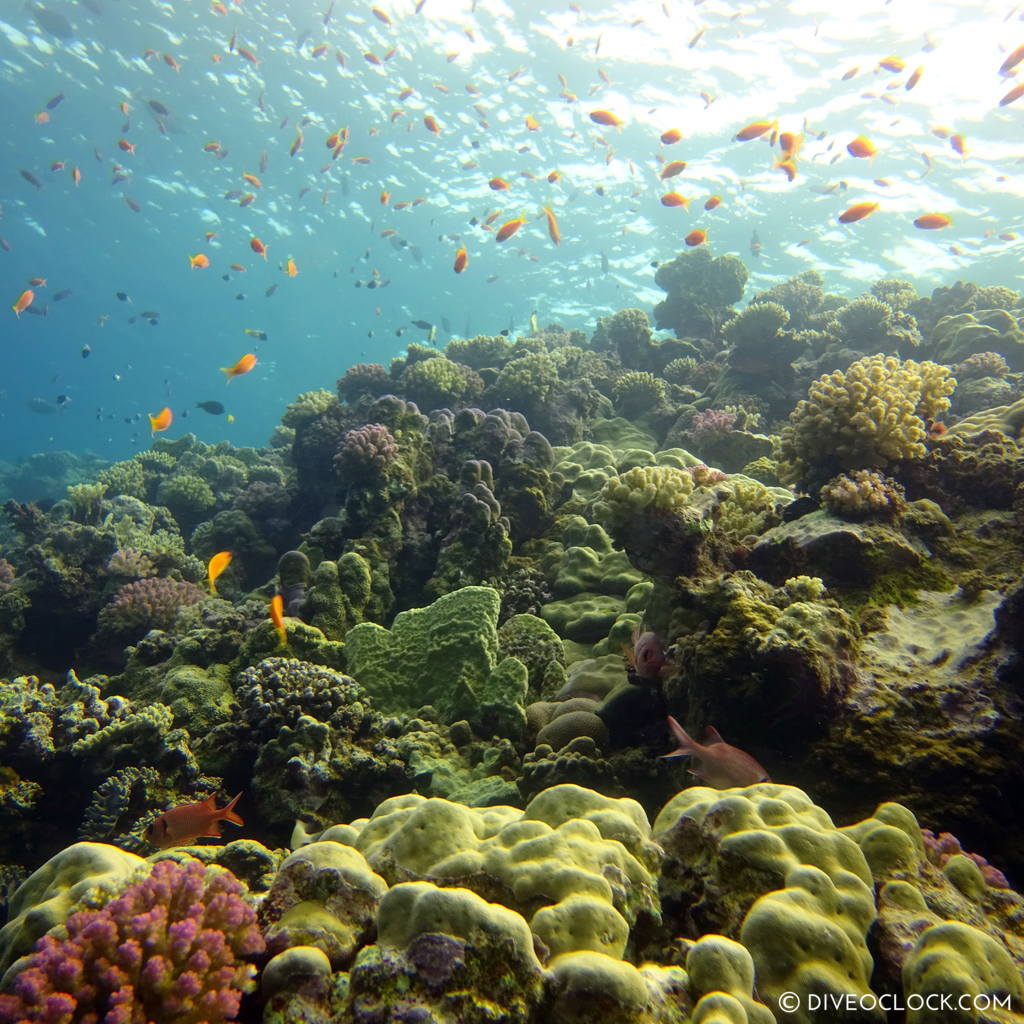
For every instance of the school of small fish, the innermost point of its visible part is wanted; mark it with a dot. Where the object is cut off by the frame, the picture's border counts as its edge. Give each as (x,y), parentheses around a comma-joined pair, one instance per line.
(243,152)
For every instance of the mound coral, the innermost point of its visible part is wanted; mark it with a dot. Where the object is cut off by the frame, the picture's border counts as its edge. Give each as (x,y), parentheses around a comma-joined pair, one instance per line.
(173,947)
(438,382)
(636,393)
(364,379)
(701,291)
(866,417)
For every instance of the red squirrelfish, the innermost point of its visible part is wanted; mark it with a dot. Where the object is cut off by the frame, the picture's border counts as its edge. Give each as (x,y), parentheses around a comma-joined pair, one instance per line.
(187,822)
(716,763)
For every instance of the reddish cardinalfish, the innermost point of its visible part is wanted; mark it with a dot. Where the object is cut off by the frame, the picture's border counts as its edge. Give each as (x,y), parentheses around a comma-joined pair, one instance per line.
(716,763)
(185,823)
(243,366)
(461,261)
(646,656)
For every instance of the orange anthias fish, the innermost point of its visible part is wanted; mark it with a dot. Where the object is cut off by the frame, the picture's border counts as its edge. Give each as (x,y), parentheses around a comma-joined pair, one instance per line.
(290,268)
(25,299)
(670,138)
(606,117)
(509,228)
(696,237)
(1014,94)
(243,366)
(716,763)
(430,123)
(674,199)
(258,247)
(861,147)
(932,221)
(554,232)
(498,184)
(892,64)
(532,124)
(711,202)
(672,168)
(162,420)
(218,564)
(754,130)
(187,822)
(461,261)
(857,212)
(200,261)
(277,617)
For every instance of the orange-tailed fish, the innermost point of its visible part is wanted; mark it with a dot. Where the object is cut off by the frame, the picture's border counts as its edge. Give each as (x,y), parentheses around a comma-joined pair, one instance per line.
(25,299)
(671,137)
(498,184)
(290,268)
(161,421)
(711,202)
(243,366)
(672,168)
(199,261)
(1012,61)
(606,117)
(430,123)
(532,124)
(461,260)
(892,64)
(277,617)
(696,237)
(914,78)
(258,247)
(674,199)
(187,822)
(1014,94)
(959,144)
(553,230)
(932,221)
(218,564)
(857,212)
(252,179)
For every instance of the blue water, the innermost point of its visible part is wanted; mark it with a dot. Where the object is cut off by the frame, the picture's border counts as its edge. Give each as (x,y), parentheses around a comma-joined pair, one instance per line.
(647,62)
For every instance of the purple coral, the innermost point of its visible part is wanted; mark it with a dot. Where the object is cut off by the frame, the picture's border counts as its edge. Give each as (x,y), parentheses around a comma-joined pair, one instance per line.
(711,424)
(939,848)
(371,449)
(171,948)
(147,604)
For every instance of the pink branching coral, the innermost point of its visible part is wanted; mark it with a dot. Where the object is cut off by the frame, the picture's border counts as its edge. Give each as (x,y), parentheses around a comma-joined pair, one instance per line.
(705,476)
(711,423)
(367,449)
(939,848)
(147,604)
(172,948)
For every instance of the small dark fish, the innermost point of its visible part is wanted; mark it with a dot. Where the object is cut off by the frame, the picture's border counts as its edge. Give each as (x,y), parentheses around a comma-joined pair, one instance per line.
(154,323)
(56,101)
(240,297)
(150,314)
(158,108)
(37,310)
(505,332)
(270,291)
(86,351)
(41,406)
(123,296)
(63,401)
(423,325)
(62,294)
(604,264)
(31,179)
(213,408)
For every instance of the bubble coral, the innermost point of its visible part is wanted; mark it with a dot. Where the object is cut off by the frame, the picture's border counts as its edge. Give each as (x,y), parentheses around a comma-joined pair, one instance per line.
(367,451)
(867,416)
(171,948)
(864,494)
(147,604)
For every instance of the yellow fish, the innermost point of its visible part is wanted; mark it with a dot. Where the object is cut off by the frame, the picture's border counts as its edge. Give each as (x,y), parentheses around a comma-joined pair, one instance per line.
(218,564)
